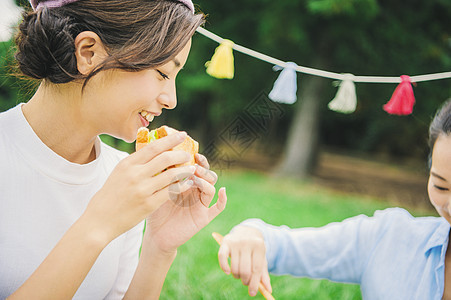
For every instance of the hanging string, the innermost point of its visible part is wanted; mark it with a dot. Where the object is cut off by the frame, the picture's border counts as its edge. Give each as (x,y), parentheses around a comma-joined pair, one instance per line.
(321,73)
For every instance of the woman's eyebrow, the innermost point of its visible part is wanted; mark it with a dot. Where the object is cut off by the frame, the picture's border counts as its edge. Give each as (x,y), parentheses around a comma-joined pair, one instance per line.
(438,176)
(176,62)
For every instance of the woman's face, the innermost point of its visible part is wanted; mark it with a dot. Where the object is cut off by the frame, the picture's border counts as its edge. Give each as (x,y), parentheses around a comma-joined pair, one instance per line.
(119,102)
(439,186)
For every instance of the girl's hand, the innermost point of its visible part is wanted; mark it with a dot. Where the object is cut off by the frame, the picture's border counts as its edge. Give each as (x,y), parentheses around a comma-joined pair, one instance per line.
(246,248)
(137,187)
(187,211)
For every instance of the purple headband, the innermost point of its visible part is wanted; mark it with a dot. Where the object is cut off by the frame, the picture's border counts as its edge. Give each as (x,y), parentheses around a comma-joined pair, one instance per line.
(36,4)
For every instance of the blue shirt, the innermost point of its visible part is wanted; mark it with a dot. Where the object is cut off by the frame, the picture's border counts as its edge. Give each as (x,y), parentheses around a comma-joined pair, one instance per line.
(392,255)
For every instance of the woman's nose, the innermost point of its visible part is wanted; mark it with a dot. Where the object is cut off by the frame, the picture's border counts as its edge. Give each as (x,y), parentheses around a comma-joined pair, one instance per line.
(168,97)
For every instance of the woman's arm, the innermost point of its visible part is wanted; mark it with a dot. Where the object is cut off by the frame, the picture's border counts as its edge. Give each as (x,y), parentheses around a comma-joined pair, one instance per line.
(149,277)
(171,225)
(64,269)
(130,194)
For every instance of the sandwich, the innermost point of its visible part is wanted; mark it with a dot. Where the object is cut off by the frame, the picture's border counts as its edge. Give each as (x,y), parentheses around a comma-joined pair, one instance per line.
(145,137)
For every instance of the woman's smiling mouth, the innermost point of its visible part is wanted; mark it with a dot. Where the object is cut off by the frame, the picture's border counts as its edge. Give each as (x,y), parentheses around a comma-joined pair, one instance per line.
(146,117)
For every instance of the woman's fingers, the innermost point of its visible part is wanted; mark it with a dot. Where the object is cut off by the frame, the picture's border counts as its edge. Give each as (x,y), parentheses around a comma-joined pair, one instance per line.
(168,177)
(206,174)
(161,196)
(202,161)
(163,161)
(219,206)
(207,190)
(157,147)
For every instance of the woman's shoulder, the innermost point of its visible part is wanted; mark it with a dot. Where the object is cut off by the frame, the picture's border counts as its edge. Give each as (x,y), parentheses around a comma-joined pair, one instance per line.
(9,119)
(10,114)
(112,154)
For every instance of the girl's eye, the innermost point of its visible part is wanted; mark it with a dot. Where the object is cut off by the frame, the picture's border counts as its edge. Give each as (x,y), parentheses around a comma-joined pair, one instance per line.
(163,75)
(441,188)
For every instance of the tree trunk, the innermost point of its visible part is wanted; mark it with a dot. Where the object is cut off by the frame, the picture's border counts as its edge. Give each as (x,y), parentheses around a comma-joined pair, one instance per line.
(300,156)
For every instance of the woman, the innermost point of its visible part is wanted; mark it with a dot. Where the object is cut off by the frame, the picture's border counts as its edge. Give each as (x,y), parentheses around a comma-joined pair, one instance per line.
(392,255)
(72,208)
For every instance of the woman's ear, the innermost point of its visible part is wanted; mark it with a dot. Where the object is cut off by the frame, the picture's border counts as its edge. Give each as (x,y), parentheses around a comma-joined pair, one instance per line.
(89,51)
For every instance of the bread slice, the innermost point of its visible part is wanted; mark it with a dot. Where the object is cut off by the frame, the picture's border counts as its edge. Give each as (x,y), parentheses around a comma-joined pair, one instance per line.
(189,145)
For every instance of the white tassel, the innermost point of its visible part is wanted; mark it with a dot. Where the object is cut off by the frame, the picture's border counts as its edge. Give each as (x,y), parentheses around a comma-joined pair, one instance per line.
(285,87)
(345,100)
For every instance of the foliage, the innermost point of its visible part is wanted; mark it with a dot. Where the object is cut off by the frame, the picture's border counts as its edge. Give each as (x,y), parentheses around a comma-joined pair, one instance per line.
(362,37)
(366,37)
(13,89)
(362,8)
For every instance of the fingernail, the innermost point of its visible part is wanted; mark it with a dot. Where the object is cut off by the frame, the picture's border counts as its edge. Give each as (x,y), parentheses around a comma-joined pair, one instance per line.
(181,135)
(189,182)
(252,293)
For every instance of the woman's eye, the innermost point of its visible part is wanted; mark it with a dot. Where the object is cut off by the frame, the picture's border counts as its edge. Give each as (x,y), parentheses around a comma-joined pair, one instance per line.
(441,188)
(163,75)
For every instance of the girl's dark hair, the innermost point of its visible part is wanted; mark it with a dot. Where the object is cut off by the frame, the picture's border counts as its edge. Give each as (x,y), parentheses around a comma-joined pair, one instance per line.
(440,125)
(137,34)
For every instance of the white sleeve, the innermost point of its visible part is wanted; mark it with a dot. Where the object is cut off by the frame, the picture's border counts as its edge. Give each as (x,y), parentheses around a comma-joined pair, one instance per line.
(128,262)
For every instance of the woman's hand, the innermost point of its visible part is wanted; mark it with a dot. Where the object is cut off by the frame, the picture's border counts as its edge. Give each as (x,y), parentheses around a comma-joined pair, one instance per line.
(186,211)
(138,186)
(246,248)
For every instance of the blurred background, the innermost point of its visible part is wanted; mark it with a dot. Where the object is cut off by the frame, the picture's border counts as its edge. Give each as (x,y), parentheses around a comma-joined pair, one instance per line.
(299,164)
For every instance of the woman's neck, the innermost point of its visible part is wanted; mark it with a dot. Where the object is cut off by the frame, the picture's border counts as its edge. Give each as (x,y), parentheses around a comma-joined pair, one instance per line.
(55,115)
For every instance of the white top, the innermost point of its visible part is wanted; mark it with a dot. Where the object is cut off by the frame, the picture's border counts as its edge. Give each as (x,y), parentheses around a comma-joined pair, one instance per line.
(41,196)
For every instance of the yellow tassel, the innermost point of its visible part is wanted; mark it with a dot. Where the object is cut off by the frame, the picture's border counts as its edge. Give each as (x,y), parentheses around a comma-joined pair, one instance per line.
(221,64)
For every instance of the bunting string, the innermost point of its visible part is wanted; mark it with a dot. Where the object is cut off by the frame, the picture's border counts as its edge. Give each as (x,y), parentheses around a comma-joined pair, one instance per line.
(284,89)
(321,73)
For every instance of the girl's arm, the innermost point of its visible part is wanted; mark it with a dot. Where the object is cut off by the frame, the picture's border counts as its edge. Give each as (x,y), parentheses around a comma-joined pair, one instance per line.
(338,251)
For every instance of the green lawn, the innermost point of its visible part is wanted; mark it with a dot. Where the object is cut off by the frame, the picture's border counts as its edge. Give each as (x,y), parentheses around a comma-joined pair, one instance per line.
(195,273)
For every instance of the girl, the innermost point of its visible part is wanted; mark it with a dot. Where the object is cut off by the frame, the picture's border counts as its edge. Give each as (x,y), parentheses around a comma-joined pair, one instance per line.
(72,208)
(392,255)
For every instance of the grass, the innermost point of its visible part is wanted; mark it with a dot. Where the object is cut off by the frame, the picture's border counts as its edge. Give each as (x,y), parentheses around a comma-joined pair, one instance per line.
(195,274)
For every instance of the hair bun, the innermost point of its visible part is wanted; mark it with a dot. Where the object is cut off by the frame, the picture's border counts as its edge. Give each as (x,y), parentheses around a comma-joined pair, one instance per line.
(46,46)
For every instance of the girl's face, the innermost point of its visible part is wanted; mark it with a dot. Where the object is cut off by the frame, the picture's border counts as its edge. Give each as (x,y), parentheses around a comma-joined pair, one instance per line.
(439,186)
(118,102)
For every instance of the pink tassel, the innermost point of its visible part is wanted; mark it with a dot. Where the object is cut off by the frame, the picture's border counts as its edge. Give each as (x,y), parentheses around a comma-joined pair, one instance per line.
(402,100)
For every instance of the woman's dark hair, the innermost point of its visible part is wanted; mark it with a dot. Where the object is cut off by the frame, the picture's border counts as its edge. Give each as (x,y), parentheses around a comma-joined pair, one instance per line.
(137,34)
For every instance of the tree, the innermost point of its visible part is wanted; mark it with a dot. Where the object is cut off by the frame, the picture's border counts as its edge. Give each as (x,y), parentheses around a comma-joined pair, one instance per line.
(375,24)
(363,37)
